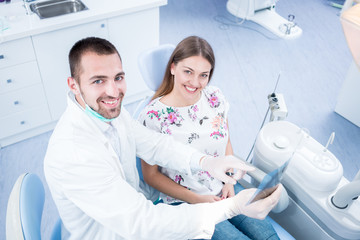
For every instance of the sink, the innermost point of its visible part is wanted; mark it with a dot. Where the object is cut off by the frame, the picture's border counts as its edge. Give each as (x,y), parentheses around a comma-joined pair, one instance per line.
(53,8)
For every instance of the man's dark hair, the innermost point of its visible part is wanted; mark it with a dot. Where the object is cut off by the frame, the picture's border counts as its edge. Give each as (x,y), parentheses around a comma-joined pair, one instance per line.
(91,44)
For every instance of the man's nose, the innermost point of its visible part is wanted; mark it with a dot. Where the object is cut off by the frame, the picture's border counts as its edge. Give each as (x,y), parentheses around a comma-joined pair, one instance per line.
(112,89)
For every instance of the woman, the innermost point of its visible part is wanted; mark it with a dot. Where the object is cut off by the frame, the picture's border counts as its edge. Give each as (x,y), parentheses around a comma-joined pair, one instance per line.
(192,112)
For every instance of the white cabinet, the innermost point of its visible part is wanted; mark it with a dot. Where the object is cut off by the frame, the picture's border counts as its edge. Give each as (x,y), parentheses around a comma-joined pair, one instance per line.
(34,70)
(52,49)
(17,51)
(132,39)
(19,76)
(23,104)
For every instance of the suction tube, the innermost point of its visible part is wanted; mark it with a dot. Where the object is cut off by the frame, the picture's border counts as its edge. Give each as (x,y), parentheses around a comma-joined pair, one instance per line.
(346,194)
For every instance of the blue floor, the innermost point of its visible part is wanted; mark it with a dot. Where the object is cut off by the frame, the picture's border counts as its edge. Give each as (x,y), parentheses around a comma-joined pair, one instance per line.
(248,61)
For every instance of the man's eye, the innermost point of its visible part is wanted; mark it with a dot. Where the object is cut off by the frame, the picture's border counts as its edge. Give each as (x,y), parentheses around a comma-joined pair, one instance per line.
(119,78)
(98,81)
(187,72)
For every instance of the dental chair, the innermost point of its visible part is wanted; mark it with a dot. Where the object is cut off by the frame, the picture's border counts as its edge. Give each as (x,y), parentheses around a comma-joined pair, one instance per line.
(152,64)
(349,99)
(24,210)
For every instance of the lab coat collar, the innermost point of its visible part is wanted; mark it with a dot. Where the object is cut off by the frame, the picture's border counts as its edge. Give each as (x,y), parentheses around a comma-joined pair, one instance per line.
(97,126)
(104,127)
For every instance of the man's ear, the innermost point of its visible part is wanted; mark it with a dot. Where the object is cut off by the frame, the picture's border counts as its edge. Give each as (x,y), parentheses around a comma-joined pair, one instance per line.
(74,87)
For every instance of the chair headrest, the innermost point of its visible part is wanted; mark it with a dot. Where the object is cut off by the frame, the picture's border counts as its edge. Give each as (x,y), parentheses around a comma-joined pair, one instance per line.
(152,64)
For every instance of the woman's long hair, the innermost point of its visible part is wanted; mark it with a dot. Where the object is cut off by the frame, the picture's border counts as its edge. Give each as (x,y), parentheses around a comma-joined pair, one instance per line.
(189,47)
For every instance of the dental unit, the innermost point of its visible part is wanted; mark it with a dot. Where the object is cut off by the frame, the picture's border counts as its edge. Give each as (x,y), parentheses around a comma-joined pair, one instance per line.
(263,13)
(319,202)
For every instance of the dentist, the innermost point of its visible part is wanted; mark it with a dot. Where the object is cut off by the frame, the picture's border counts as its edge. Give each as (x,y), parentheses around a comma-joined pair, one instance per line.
(91,170)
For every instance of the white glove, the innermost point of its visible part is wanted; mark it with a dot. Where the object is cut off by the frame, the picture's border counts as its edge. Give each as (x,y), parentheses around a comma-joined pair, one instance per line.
(218,166)
(258,209)
(231,207)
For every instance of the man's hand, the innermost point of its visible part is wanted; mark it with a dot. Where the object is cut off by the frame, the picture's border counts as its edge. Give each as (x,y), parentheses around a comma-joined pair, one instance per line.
(218,166)
(258,209)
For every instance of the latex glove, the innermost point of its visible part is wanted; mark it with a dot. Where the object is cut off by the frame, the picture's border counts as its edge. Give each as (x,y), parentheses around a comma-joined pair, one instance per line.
(218,166)
(258,209)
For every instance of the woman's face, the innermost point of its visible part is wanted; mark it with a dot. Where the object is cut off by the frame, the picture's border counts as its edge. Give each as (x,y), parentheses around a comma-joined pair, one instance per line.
(191,75)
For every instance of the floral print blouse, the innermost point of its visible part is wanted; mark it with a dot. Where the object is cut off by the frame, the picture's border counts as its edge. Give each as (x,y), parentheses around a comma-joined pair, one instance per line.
(202,125)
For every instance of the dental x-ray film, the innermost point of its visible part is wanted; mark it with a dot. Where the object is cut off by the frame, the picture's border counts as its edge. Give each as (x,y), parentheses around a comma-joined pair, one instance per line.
(269,184)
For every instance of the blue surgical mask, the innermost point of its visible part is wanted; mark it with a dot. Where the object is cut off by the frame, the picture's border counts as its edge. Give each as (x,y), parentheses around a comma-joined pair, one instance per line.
(91,112)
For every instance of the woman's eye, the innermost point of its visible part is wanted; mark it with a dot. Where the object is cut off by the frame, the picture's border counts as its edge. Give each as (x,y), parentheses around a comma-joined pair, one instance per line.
(204,75)
(187,72)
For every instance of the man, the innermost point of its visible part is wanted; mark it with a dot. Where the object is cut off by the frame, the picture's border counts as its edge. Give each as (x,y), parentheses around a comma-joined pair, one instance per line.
(91,170)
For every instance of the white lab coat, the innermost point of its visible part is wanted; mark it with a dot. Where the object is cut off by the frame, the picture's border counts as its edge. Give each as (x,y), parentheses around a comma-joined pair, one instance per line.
(98,196)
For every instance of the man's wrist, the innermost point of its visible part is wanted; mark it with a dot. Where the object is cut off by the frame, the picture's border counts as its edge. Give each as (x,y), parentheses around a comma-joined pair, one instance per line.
(197,160)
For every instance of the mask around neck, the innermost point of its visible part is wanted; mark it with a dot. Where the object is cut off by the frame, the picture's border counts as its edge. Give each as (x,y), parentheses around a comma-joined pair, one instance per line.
(91,112)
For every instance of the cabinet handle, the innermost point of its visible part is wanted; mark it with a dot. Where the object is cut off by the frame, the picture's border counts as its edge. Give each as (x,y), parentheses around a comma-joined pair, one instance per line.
(16,103)
(2,56)
(9,81)
(22,122)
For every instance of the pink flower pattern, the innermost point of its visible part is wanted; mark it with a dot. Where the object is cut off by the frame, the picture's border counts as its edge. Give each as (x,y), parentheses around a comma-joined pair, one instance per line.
(169,116)
(168,119)
(214,100)
(192,112)
(220,127)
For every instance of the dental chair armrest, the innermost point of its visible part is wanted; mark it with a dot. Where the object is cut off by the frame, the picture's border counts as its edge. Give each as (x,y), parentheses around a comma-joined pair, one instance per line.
(258,175)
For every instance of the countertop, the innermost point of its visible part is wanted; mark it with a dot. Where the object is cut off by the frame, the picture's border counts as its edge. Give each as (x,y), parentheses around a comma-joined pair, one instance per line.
(21,25)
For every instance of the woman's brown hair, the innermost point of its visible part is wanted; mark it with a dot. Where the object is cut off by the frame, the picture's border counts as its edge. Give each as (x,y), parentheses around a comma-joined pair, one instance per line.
(189,47)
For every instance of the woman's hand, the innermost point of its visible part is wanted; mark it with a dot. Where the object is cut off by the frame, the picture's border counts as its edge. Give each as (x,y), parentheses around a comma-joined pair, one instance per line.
(227,191)
(205,199)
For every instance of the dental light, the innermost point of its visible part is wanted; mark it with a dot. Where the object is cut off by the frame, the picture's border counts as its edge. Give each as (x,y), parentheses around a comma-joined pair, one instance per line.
(263,13)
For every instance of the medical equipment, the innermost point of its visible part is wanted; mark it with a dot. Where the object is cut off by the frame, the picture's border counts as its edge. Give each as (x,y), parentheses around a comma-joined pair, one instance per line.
(271,180)
(278,110)
(269,184)
(314,181)
(263,13)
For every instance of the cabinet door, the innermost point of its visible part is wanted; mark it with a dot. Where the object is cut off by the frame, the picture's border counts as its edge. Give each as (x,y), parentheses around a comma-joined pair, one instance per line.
(15,52)
(23,121)
(132,34)
(22,99)
(19,76)
(52,51)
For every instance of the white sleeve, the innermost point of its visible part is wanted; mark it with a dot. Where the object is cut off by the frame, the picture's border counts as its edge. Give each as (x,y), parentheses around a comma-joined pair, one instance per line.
(96,188)
(164,150)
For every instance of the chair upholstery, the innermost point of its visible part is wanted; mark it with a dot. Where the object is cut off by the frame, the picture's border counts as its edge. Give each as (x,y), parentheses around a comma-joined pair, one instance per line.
(56,232)
(152,64)
(13,221)
(25,207)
